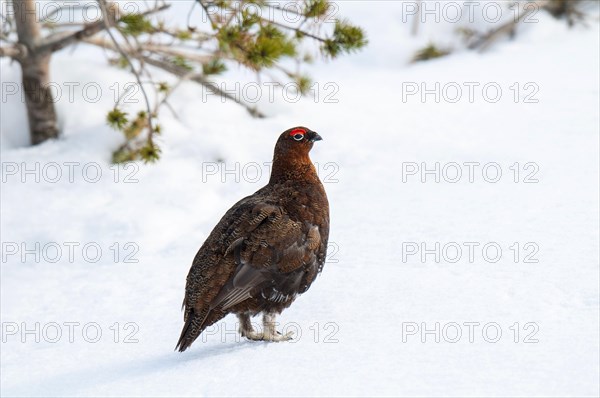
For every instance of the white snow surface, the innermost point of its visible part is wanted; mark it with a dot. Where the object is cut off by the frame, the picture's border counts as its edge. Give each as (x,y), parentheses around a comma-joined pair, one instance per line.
(355,319)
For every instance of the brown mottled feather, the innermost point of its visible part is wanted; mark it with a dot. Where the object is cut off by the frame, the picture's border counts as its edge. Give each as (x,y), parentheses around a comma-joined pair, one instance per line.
(267,249)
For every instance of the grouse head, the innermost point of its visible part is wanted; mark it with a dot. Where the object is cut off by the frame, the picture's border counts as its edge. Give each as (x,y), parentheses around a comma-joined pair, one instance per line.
(296,141)
(291,159)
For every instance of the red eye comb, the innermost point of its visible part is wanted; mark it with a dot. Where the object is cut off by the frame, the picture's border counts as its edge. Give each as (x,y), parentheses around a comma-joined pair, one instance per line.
(298,131)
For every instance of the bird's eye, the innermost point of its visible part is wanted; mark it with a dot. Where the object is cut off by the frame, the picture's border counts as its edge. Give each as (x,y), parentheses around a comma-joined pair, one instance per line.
(298,137)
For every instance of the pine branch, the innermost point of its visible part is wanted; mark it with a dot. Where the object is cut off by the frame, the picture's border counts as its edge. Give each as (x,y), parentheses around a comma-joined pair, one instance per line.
(180,72)
(200,79)
(58,43)
(108,23)
(170,50)
(486,40)
(276,6)
(293,29)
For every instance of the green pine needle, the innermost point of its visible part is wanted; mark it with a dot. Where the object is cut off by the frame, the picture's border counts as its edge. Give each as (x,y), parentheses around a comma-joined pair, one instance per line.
(117,119)
(136,24)
(346,38)
(316,8)
(431,51)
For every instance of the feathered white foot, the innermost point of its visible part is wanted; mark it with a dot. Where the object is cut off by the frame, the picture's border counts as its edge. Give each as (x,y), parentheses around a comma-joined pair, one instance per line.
(261,336)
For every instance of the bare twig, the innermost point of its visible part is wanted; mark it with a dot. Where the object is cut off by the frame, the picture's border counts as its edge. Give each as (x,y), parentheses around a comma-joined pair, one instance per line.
(165,99)
(276,6)
(170,50)
(52,25)
(15,51)
(60,9)
(108,24)
(302,32)
(180,72)
(58,43)
(486,40)
(205,8)
(201,79)
(189,16)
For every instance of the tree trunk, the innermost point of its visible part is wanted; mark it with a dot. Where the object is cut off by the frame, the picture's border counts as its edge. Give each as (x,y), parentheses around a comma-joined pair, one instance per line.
(38,99)
(36,74)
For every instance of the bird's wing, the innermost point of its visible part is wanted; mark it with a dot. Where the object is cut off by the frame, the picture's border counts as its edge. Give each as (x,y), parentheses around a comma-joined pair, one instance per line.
(267,243)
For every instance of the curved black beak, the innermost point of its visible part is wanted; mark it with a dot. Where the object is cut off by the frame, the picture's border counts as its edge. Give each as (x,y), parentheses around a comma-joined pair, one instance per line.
(313,136)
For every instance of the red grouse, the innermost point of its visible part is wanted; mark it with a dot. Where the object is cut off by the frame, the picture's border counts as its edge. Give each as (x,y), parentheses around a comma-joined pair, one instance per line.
(266,250)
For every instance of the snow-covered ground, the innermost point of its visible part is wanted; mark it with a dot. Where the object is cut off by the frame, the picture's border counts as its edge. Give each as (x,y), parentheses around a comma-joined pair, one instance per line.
(369,325)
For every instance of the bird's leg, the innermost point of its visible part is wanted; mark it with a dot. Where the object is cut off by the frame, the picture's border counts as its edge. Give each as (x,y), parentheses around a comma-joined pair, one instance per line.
(245,329)
(269,332)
